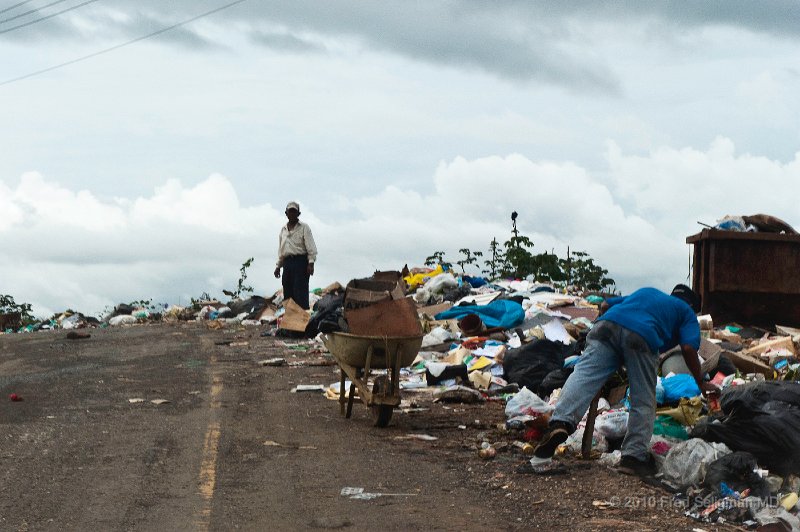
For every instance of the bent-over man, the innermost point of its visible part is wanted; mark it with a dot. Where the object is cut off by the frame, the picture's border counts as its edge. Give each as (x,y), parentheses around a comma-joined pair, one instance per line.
(630,331)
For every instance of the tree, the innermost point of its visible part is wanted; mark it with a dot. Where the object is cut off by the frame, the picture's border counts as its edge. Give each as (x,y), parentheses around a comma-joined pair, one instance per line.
(514,259)
(8,306)
(241,287)
(495,263)
(519,262)
(437,257)
(470,257)
(584,274)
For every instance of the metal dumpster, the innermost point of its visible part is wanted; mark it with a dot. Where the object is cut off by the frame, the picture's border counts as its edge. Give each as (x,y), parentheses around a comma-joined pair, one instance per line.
(750,278)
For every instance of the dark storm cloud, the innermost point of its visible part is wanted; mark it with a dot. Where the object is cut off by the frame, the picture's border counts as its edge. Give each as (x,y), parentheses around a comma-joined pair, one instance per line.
(512,39)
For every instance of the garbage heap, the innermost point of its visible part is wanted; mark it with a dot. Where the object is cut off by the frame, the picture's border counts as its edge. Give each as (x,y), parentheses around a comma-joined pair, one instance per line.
(250,311)
(732,460)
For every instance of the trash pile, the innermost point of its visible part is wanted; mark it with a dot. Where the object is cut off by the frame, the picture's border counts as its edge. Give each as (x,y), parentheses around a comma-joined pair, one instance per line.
(734,459)
(755,223)
(67,320)
(252,311)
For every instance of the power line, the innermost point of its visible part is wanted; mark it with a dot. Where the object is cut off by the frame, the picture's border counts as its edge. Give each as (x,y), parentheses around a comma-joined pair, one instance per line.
(15,17)
(46,18)
(14,6)
(121,45)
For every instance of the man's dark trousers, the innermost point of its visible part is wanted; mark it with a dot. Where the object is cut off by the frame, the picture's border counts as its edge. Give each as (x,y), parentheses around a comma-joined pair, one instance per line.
(295,279)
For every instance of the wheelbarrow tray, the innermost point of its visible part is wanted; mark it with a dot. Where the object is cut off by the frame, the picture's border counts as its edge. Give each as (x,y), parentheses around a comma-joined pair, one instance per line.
(358,355)
(351,349)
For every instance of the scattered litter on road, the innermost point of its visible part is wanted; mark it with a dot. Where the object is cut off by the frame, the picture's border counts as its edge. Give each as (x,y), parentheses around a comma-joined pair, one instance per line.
(136,400)
(159,401)
(272,362)
(360,494)
(74,335)
(296,347)
(603,505)
(308,388)
(272,443)
(422,437)
(15,397)
(459,394)
(311,363)
(488,452)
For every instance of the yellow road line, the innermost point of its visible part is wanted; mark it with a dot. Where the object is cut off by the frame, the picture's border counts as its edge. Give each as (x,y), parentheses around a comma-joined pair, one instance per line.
(208,467)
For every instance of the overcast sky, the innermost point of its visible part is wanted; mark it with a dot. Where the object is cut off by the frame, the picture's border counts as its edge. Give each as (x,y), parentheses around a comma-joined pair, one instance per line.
(153,170)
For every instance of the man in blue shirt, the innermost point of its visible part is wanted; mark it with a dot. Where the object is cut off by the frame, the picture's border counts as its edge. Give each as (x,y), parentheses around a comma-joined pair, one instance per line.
(631,331)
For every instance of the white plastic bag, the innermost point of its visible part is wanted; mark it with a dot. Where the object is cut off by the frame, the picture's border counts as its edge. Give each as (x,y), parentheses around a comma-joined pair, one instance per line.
(574,443)
(612,424)
(611,459)
(123,319)
(439,335)
(441,282)
(526,403)
(685,464)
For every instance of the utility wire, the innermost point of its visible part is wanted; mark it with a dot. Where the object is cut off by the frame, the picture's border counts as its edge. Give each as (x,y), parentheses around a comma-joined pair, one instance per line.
(34,21)
(15,17)
(9,8)
(121,45)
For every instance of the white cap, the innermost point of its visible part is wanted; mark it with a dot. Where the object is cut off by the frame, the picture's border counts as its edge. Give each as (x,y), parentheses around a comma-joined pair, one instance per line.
(293,205)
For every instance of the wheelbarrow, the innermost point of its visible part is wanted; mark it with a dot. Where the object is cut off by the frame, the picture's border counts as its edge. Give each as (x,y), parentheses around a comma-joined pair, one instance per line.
(357,356)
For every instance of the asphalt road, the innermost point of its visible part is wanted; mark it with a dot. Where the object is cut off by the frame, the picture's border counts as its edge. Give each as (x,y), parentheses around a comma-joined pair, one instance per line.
(232,449)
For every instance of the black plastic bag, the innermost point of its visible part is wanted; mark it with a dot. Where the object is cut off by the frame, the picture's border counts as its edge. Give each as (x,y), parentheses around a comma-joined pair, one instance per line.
(554,379)
(761,418)
(736,470)
(749,398)
(327,314)
(530,364)
(253,305)
(455,371)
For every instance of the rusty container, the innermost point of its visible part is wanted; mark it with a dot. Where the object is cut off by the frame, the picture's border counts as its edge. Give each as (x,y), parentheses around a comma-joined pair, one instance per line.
(749,278)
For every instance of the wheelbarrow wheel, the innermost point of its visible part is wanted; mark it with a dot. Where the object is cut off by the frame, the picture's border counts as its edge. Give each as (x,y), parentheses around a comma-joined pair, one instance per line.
(381,413)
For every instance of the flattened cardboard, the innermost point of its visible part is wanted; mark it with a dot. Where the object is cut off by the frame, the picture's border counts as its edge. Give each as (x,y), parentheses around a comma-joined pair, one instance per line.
(296,318)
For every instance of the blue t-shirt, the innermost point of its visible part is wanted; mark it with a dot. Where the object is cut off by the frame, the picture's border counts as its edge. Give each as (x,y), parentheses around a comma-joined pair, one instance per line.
(664,321)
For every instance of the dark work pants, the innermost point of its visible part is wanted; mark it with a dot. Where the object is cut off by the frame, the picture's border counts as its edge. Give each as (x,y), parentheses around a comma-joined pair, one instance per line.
(295,279)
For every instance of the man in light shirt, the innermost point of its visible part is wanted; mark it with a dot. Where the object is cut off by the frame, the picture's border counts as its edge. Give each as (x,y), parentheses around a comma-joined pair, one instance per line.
(296,255)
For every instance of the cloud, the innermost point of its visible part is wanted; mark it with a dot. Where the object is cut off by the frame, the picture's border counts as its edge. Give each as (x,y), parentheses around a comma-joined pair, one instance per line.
(496,42)
(286,42)
(671,186)
(66,248)
(560,44)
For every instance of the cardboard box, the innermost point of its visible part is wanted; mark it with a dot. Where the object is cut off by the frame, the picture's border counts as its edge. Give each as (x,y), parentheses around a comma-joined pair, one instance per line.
(296,318)
(388,318)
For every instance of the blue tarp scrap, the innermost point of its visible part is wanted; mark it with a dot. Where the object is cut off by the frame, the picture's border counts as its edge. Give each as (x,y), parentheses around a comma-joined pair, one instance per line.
(501,313)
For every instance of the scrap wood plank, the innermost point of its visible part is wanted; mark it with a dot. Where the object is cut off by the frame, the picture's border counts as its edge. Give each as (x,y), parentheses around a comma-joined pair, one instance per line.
(780,343)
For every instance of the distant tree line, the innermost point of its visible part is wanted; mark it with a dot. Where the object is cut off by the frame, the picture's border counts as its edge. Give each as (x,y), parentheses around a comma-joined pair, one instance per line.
(514,259)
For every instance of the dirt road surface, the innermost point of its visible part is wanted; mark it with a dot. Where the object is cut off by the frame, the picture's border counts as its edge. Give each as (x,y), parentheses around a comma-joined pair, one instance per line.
(88,448)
